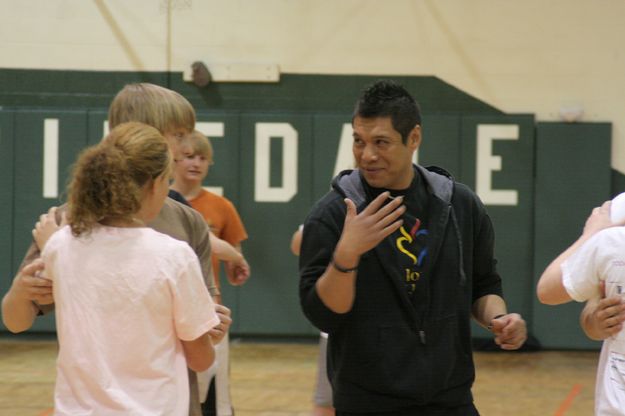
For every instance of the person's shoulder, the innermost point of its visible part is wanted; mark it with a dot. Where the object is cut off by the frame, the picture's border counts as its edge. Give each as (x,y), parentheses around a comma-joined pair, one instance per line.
(176,208)
(465,194)
(214,198)
(331,203)
(165,242)
(614,236)
(177,196)
(59,239)
(174,214)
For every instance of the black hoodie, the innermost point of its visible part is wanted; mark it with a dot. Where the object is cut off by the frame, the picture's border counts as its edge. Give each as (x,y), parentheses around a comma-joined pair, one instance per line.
(387,353)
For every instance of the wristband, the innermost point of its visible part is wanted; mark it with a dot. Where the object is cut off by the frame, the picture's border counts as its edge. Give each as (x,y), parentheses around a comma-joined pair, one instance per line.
(341,268)
(490,326)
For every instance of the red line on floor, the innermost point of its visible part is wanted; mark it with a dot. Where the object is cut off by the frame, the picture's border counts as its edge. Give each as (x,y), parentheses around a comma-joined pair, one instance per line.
(47,412)
(564,406)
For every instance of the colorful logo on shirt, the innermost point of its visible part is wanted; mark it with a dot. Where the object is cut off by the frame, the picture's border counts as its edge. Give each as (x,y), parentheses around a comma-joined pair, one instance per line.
(412,245)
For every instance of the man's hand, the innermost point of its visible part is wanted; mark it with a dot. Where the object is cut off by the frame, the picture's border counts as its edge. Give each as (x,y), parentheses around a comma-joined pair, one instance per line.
(364,231)
(46,226)
(31,284)
(218,332)
(361,233)
(510,331)
(237,271)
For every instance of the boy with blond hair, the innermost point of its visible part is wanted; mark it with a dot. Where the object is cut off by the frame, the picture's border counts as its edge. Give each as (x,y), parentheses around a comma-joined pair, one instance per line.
(224,221)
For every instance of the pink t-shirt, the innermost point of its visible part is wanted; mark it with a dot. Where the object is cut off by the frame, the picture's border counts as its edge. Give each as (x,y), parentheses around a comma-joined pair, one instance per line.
(125,297)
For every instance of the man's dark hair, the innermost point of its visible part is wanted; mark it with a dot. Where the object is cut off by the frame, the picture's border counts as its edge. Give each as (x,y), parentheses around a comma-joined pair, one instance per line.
(388,99)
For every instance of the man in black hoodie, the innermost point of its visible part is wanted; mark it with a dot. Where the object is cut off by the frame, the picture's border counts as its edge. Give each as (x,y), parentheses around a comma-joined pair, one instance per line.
(395,260)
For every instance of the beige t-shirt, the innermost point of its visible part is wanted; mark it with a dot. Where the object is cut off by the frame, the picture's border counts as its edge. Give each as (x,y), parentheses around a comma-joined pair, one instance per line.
(125,297)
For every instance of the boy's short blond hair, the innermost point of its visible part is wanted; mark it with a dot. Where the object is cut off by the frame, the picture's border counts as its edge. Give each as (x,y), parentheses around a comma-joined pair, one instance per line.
(195,143)
(153,105)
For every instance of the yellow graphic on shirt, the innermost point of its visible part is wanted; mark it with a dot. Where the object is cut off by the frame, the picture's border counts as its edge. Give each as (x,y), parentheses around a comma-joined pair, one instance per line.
(402,243)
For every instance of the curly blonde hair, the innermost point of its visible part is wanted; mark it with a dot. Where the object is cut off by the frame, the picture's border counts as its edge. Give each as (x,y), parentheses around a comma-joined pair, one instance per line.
(108,179)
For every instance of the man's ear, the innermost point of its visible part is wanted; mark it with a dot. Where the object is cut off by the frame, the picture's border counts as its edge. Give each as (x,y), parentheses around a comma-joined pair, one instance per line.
(414,138)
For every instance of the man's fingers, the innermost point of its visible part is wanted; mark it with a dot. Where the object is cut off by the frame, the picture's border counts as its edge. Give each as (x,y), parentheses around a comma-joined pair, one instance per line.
(392,228)
(375,205)
(388,209)
(351,208)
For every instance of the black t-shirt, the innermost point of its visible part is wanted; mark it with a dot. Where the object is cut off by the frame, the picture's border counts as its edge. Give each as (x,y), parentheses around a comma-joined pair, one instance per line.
(411,238)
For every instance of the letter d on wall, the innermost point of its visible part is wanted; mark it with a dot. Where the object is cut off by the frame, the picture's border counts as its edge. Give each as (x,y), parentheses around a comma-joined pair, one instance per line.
(263,191)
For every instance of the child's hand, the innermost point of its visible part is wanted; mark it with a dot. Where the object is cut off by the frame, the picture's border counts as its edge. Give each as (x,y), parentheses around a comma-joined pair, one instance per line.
(46,226)
(218,332)
(237,271)
(31,284)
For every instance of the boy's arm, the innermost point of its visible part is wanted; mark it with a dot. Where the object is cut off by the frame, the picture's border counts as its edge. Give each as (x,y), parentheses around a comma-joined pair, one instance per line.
(29,293)
(18,308)
(238,271)
(223,250)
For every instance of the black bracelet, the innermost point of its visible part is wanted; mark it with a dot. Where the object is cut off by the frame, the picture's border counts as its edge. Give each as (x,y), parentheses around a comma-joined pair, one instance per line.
(341,268)
(490,326)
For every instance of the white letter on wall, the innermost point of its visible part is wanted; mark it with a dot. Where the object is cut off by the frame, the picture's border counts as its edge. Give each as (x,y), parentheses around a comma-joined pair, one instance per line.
(51,158)
(212,130)
(487,163)
(263,192)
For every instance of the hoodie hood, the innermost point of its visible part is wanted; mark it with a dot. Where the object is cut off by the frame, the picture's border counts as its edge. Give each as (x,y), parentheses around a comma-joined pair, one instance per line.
(439,182)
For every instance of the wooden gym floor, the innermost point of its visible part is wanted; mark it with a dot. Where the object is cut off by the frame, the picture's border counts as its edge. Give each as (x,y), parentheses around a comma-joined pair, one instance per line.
(276,379)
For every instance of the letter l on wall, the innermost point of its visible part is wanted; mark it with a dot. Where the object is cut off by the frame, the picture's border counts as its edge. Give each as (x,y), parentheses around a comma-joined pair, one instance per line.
(50,158)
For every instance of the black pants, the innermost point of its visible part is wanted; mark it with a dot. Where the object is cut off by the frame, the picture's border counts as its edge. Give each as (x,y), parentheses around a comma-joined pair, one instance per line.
(468,410)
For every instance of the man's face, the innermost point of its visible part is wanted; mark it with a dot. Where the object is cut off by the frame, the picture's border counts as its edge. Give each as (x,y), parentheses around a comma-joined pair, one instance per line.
(383,160)
(174,137)
(192,167)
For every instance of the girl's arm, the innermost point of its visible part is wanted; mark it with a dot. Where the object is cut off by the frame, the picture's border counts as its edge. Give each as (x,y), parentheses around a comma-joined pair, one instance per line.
(199,353)
(550,289)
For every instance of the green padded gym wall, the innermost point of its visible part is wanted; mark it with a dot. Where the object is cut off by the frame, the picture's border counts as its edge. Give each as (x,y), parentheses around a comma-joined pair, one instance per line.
(539,181)
(572,177)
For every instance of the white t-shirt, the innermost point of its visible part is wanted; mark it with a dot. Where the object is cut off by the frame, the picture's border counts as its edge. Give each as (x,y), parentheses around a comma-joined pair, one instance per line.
(602,258)
(125,297)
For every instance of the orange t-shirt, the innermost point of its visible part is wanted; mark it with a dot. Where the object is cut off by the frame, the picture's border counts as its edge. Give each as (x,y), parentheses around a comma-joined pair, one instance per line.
(223,220)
